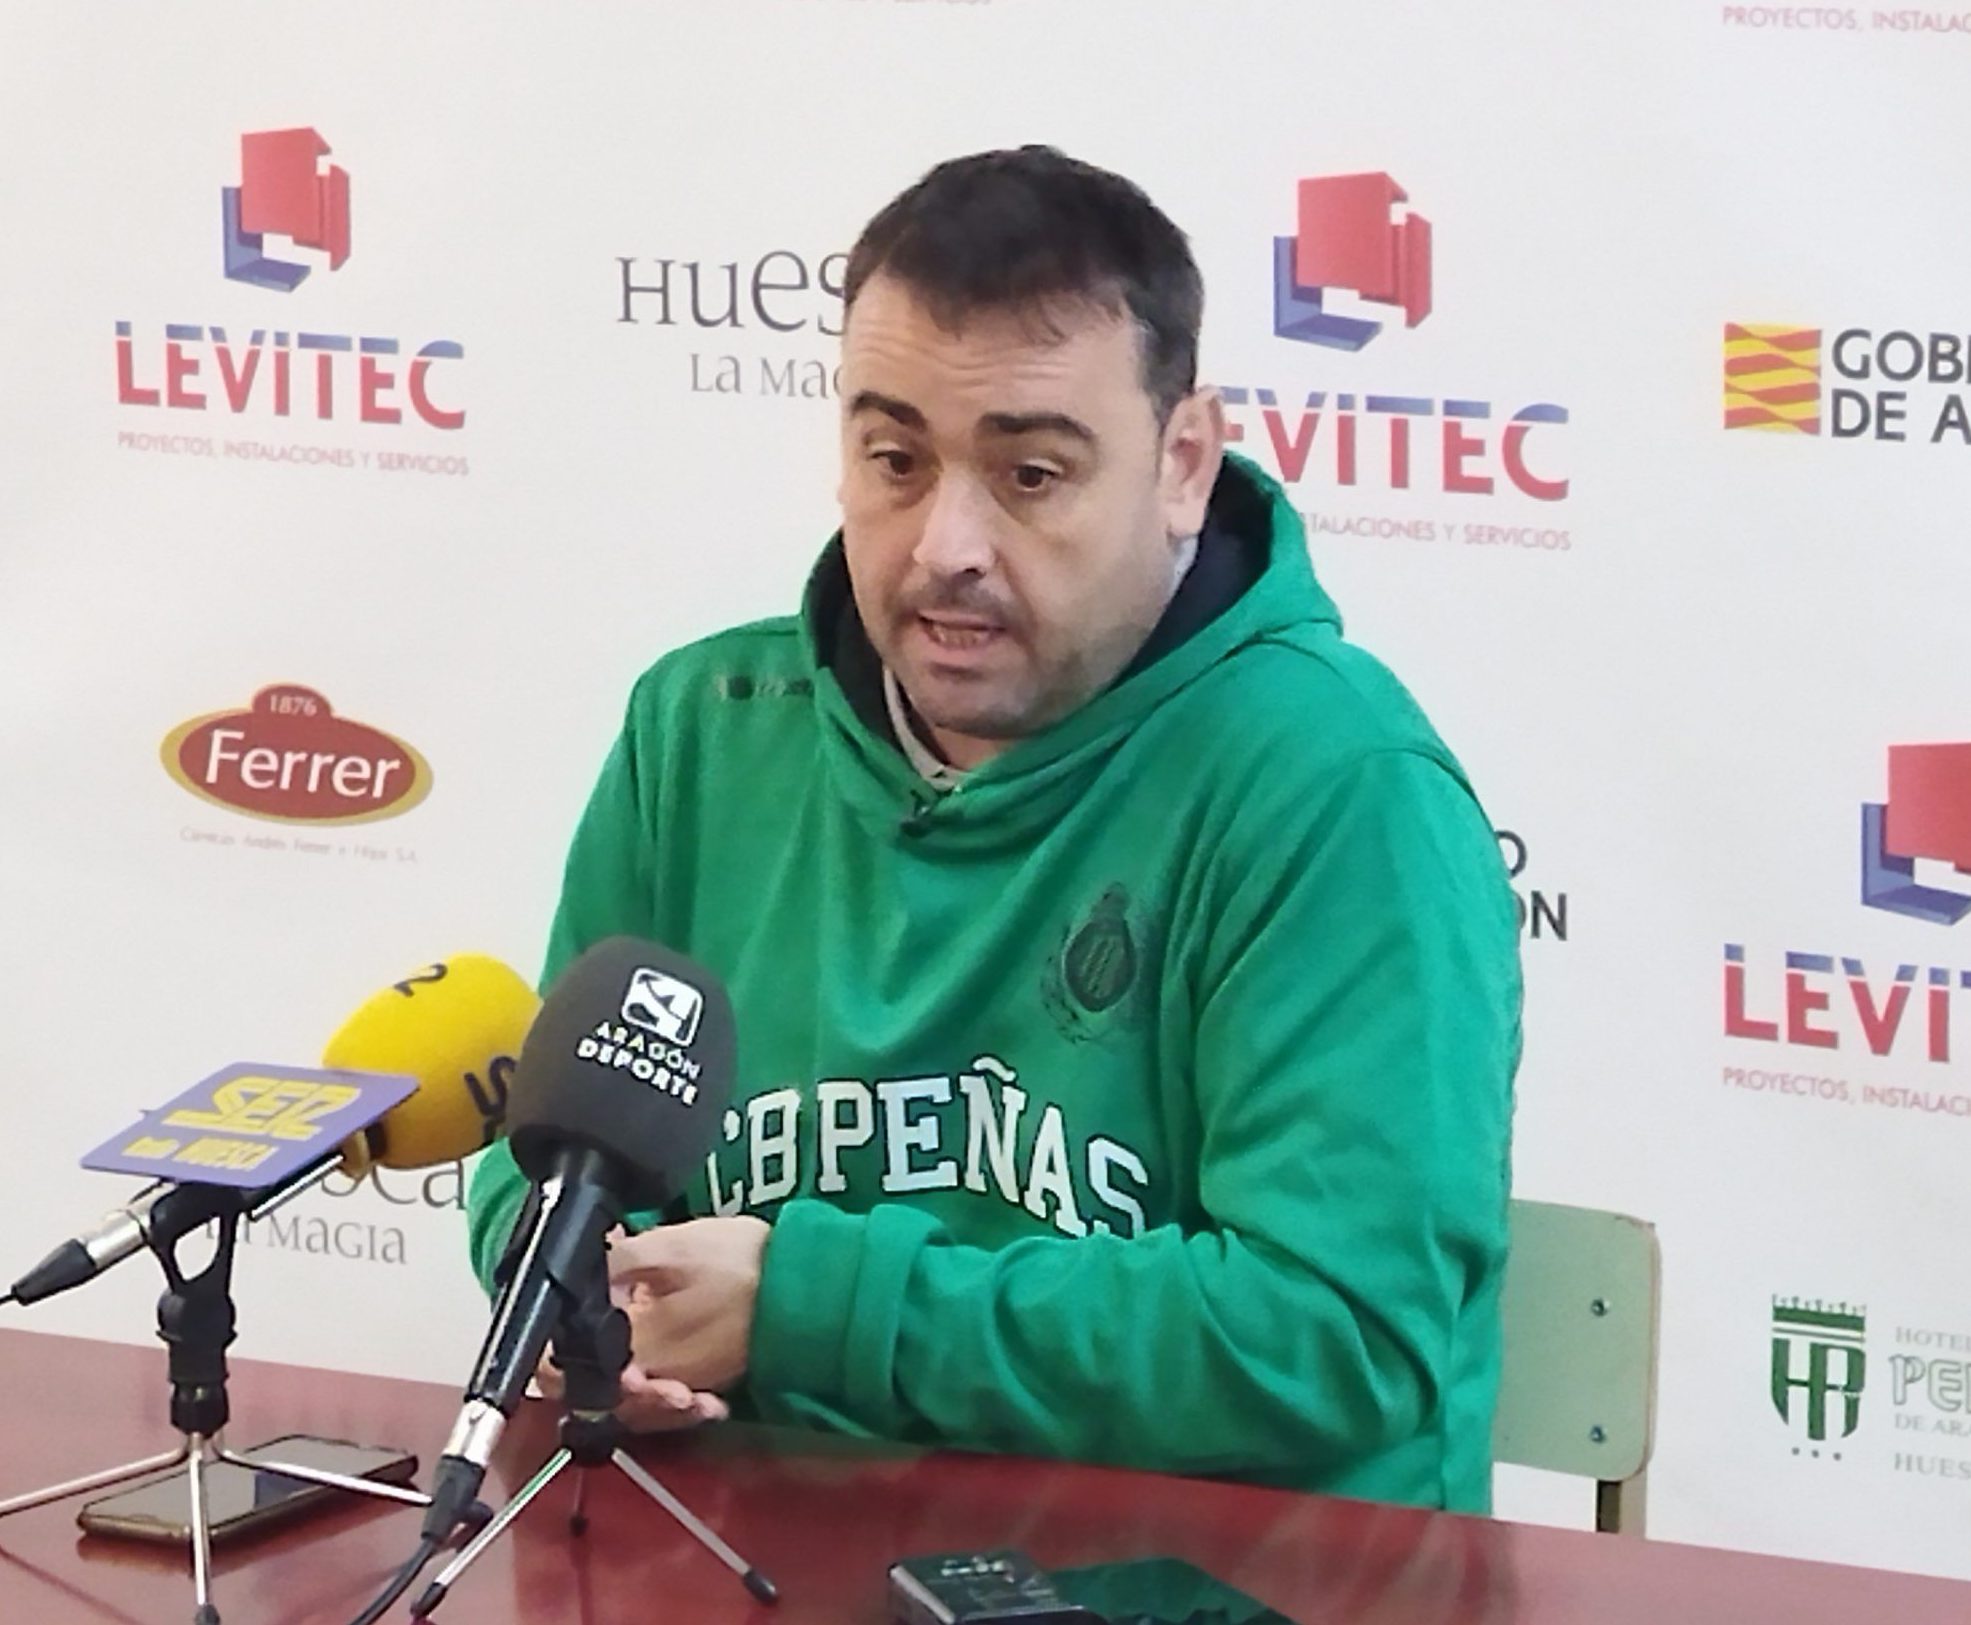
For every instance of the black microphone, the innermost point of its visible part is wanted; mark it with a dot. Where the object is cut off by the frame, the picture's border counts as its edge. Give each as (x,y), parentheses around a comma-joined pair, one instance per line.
(618,1094)
(161,1211)
(119,1233)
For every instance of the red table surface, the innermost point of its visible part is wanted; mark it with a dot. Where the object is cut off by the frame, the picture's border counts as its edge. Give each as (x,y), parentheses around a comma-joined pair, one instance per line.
(825,1518)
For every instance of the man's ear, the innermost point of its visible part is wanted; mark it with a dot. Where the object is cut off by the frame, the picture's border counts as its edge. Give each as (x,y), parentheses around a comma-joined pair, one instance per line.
(1193,452)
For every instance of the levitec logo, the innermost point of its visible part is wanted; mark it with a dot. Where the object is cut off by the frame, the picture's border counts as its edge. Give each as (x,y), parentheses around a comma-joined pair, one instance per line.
(1348,238)
(282,191)
(1875,1015)
(1819,1367)
(1837,1003)
(290,759)
(1772,377)
(247,369)
(1927,816)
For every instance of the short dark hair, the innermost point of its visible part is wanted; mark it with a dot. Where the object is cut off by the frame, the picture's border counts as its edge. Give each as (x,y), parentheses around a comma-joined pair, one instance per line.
(1030,228)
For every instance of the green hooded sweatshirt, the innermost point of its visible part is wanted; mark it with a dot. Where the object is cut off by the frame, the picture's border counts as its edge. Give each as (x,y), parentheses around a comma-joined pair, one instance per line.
(1143,1099)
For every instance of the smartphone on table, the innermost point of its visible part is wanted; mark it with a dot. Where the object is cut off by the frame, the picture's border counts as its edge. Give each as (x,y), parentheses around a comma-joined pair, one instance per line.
(238,1498)
(1162,1591)
(1006,1587)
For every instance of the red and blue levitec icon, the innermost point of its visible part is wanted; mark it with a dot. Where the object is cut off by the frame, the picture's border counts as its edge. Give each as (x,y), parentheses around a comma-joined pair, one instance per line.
(254,368)
(283,190)
(1348,237)
(1927,815)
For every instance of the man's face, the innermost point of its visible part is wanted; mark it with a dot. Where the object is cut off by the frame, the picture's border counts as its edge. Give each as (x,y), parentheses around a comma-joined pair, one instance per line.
(1011,512)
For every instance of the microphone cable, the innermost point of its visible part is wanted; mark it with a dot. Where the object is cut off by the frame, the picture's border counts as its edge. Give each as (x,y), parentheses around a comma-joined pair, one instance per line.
(400,1582)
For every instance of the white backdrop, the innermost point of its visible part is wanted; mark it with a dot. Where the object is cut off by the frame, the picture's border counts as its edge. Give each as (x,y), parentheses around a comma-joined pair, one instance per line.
(1676,686)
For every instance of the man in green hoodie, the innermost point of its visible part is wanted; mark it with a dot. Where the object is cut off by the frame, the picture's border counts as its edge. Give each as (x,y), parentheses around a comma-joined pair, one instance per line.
(1126,975)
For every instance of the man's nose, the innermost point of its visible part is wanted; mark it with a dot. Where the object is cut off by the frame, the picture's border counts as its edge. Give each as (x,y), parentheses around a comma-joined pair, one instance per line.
(957,535)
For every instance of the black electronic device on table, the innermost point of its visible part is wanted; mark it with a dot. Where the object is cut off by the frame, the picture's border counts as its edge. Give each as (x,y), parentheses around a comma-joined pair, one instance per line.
(240,1493)
(1162,1591)
(1008,1588)
(980,1588)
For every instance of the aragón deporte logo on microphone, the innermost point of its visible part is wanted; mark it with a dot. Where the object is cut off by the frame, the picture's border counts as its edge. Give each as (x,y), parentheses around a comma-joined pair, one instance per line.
(659,1024)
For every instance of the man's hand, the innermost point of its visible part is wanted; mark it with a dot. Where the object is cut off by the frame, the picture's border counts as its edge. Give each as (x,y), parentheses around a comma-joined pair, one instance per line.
(649,1404)
(692,1290)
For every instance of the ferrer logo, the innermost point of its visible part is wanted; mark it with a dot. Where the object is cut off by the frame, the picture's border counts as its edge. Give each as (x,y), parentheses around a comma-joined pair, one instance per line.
(1927,815)
(290,759)
(281,191)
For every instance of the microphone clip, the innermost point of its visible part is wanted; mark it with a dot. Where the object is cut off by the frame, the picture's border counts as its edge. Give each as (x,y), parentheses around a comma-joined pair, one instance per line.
(197,1322)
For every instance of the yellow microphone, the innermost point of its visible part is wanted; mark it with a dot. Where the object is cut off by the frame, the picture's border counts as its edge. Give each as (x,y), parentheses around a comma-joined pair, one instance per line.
(456,1026)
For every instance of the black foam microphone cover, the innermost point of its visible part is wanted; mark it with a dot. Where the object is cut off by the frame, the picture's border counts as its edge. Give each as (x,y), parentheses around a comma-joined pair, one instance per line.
(633,1055)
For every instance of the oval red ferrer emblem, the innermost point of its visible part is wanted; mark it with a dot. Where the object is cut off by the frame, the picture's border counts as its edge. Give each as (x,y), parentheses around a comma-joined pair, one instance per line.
(289,758)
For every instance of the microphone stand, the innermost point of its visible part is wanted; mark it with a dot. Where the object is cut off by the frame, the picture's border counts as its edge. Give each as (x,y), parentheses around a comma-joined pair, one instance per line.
(197,1321)
(591,1347)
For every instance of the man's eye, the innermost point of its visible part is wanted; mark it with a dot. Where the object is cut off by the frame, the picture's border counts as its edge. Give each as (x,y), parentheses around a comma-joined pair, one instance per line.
(899,465)
(1033,477)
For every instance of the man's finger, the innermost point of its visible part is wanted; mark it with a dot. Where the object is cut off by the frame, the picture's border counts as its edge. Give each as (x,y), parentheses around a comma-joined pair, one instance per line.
(634,1252)
(653,1275)
(546,1382)
(644,1415)
(641,1385)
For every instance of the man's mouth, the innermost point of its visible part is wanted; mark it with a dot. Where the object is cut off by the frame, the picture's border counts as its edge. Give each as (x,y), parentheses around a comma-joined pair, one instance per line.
(959,632)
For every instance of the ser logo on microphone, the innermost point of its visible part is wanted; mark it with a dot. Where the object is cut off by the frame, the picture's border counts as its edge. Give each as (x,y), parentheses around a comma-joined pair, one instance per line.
(660,1021)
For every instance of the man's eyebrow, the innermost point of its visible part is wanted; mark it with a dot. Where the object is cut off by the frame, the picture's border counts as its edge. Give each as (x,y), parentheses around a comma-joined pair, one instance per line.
(1012,423)
(998,423)
(869,401)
